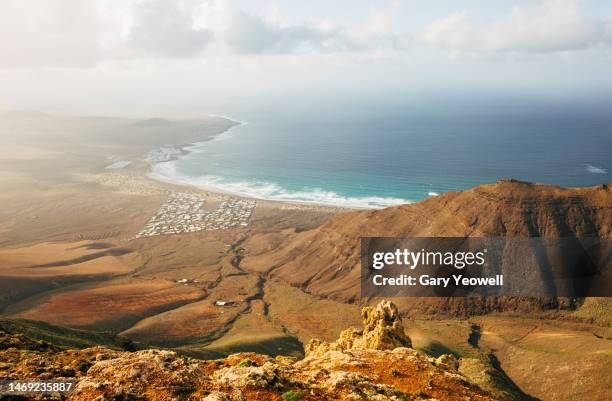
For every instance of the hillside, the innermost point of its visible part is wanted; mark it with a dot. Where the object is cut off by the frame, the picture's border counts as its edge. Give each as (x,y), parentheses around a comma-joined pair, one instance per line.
(63,337)
(325,261)
(373,363)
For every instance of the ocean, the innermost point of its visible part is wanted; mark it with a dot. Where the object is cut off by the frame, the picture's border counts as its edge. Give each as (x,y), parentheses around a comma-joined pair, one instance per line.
(367,155)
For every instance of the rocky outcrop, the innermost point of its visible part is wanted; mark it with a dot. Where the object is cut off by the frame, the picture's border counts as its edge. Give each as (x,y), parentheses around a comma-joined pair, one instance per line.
(359,374)
(370,364)
(383,330)
(448,362)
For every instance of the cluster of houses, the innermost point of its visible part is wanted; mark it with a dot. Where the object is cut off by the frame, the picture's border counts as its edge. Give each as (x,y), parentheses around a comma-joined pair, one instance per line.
(231,213)
(185,213)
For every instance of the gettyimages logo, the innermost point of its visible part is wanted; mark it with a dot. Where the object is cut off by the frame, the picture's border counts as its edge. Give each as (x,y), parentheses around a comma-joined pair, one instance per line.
(412,260)
(468,267)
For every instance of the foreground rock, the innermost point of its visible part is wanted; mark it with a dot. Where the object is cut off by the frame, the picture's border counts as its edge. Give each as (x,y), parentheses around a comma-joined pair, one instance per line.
(383,330)
(370,364)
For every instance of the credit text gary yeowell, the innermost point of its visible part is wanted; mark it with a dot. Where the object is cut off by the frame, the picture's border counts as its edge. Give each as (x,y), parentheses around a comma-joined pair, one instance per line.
(413,260)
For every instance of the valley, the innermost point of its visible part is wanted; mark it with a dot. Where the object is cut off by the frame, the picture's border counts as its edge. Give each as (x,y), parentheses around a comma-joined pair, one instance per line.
(270,277)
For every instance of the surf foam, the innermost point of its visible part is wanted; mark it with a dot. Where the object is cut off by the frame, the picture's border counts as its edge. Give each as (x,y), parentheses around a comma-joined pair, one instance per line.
(118,165)
(167,171)
(595,170)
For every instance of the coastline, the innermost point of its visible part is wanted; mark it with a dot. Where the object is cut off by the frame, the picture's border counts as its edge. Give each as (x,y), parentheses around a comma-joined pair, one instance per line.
(183,149)
(178,151)
(245,189)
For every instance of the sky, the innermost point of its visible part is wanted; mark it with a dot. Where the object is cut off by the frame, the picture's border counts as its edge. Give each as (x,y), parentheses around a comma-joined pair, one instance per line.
(144,56)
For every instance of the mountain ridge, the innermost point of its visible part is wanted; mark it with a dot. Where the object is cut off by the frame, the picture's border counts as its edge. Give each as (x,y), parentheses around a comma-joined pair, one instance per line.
(325,261)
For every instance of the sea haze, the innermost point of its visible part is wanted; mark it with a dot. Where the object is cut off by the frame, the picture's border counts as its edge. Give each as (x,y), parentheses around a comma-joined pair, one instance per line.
(372,155)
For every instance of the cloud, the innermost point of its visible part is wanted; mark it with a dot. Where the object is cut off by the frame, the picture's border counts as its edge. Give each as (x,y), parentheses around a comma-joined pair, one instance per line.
(378,22)
(549,26)
(377,31)
(252,34)
(167,28)
(52,33)
(84,34)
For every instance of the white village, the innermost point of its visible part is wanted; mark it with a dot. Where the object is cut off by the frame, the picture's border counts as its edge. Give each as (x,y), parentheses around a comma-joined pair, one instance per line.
(185,213)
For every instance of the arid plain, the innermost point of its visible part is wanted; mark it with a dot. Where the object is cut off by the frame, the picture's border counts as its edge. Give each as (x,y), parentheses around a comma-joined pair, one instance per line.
(260,276)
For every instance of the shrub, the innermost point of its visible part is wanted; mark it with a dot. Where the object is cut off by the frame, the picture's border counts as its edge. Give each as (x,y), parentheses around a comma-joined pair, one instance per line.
(245,363)
(83,366)
(293,395)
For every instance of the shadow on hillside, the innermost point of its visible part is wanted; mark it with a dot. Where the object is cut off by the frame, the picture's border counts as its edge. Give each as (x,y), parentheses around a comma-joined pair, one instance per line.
(503,381)
(280,346)
(436,349)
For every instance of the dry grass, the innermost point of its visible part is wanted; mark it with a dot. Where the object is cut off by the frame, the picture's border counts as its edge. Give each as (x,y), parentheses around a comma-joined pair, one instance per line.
(306,316)
(108,306)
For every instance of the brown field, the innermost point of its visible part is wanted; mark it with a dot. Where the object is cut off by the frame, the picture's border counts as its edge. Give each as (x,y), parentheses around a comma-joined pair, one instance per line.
(64,259)
(253,331)
(198,320)
(106,306)
(550,360)
(306,316)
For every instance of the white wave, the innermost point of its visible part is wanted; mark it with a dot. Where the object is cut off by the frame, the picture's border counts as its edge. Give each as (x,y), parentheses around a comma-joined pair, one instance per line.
(198,147)
(227,134)
(595,170)
(119,164)
(229,118)
(270,191)
(431,193)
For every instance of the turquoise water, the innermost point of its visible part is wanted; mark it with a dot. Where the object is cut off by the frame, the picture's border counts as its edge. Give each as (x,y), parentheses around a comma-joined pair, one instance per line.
(371,157)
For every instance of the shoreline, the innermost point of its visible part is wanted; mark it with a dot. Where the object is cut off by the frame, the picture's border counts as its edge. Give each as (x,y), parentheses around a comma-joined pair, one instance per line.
(337,201)
(185,149)
(175,152)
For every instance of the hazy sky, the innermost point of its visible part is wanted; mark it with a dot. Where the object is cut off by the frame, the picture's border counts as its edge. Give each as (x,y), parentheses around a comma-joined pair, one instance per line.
(192,55)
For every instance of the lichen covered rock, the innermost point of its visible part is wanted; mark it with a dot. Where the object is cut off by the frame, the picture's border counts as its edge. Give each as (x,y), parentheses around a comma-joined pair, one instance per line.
(448,362)
(383,330)
(355,373)
(254,376)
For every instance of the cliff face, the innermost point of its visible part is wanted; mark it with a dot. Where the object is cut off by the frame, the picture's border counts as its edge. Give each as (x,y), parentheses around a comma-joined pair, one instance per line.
(325,261)
(337,371)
